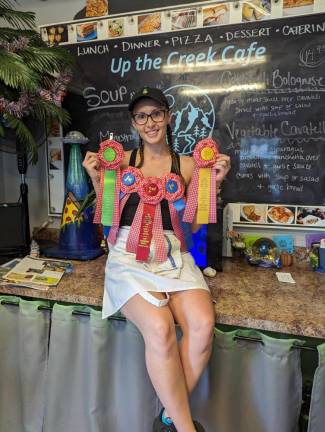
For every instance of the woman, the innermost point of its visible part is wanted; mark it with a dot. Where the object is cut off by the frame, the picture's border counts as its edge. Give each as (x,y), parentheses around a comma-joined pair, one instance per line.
(155,295)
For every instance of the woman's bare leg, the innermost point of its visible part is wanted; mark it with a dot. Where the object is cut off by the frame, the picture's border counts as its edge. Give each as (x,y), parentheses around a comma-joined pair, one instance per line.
(162,358)
(194,312)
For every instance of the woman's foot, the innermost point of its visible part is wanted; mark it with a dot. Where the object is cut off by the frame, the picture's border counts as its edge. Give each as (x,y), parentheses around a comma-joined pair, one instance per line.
(198,426)
(160,426)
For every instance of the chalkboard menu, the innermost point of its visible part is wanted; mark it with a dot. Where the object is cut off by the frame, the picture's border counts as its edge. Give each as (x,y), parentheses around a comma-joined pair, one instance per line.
(259,88)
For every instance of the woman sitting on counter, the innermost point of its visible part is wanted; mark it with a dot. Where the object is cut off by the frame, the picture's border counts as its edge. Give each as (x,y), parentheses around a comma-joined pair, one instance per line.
(157,283)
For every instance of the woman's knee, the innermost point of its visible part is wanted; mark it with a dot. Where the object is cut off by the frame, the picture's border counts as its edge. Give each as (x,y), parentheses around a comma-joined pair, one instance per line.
(162,335)
(200,330)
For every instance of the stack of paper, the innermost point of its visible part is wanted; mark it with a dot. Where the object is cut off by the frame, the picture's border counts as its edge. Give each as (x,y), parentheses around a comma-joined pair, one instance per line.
(36,273)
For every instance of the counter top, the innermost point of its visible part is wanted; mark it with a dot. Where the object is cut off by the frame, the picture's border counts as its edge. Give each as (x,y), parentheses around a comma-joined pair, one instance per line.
(245,296)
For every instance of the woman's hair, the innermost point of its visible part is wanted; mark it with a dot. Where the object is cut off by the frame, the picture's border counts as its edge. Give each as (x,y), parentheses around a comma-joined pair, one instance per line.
(175,159)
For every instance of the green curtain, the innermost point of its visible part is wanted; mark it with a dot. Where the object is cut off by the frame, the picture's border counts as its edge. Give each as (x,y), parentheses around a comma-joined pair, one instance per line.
(93,378)
(24,334)
(97,378)
(250,386)
(317,406)
(98,382)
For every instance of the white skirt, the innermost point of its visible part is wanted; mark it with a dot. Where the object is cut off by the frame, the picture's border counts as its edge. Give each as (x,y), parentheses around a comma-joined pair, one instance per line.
(126,277)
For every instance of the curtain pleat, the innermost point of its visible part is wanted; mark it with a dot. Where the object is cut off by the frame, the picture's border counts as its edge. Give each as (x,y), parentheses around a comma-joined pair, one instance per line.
(97,376)
(317,405)
(249,386)
(24,334)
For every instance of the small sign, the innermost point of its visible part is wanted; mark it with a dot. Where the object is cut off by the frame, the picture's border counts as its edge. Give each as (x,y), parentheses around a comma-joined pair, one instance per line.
(285,277)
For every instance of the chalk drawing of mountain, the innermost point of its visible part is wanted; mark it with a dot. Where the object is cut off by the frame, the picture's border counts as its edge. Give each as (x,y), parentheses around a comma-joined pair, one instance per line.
(189,125)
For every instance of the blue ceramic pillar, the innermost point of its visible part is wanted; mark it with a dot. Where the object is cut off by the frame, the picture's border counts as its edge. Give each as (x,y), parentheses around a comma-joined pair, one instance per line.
(79,238)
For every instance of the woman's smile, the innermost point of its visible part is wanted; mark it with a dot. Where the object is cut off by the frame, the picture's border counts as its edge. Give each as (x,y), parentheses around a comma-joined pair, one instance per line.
(152,133)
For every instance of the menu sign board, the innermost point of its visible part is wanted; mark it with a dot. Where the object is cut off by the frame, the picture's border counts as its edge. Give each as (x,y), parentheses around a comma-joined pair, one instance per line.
(258,88)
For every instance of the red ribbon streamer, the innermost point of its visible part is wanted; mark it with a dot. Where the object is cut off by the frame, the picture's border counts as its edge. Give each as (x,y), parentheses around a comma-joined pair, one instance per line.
(145,234)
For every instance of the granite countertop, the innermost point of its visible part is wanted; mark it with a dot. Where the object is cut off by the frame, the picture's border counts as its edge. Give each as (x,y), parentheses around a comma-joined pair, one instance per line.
(245,296)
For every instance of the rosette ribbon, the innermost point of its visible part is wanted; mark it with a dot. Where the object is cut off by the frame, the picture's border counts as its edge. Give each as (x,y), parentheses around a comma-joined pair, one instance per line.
(201,196)
(147,222)
(174,192)
(130,180)
(110,156)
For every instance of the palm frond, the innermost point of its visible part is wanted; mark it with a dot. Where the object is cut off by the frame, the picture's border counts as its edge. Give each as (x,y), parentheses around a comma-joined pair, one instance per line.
(15,73)
(6,4)
(46,60)
(44,109)
(8,34)
(29,69)
(18,19)
(24,135)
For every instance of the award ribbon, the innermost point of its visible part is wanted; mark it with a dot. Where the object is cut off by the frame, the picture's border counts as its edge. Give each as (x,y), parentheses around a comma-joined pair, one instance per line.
(130,180)
(174,191)
(201,195)
(147,222)
(110,156)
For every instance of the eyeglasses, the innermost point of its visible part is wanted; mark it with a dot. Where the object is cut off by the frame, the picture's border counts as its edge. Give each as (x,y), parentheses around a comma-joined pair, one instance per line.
(156,116)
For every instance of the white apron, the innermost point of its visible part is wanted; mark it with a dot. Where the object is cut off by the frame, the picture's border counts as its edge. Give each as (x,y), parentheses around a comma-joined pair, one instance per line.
(126,277)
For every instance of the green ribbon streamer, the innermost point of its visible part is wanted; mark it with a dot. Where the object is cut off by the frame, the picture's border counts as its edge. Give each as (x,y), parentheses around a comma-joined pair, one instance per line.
(108,197)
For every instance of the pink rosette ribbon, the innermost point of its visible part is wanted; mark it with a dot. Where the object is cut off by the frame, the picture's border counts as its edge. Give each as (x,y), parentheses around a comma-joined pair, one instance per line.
(201,196)
(130,180)
(110,156)
(174,189)
(147,222)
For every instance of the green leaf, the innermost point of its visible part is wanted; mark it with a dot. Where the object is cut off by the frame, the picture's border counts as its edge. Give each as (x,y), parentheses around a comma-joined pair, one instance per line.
(6,4)
(30,69)
(8,34)
(44,109)
(15,73)
(24,135)
(18,19)
(46,60)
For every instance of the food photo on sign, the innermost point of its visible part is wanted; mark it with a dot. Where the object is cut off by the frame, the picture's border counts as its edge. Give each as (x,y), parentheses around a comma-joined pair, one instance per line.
(311,216)
(281,215)
(116,27)
(297,7)
(253,213)
(256,10)
(96,8)
(216,15)
(149,23)
(55,35)
(87,31)
(183,19)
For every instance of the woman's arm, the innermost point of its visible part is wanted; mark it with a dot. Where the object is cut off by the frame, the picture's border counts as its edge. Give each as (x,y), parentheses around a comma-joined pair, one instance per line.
(91,165)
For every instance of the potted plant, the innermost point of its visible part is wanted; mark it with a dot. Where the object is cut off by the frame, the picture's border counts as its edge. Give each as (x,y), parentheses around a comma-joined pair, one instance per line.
(33,79)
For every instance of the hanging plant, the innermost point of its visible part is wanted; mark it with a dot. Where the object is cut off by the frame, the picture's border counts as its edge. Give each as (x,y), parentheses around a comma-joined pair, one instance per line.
(33,78)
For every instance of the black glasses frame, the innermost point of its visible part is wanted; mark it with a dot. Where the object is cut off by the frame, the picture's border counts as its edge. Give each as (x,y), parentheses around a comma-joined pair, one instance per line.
(150,115)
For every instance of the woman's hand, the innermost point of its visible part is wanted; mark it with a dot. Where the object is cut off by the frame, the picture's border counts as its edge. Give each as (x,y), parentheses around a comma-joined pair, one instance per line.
(91,165)
(223,167)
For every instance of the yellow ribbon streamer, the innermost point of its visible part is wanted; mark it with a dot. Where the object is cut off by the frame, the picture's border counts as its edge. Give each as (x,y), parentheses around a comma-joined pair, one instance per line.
(202,216)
